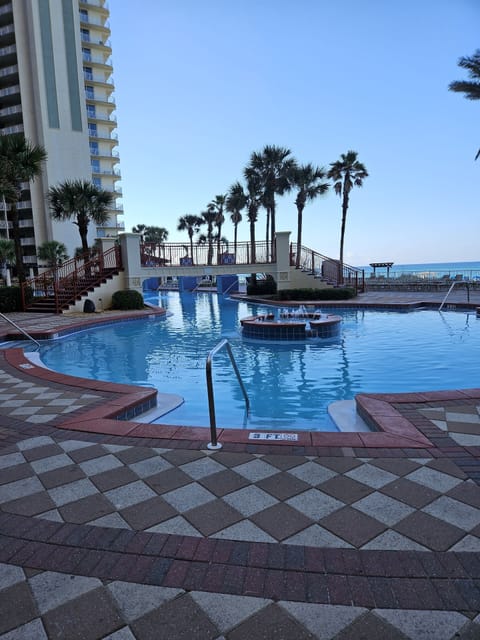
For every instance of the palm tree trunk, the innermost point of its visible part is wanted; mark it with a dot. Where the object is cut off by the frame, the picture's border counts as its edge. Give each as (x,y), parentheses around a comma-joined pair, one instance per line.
(235,242)
(267,231)
(18,244)
(191,247)
(342,233)
(299,236)
(272,215)
(252,252)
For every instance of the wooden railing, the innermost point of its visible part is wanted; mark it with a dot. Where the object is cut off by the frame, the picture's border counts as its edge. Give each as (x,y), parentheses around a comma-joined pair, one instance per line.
(330,270)
(71,279)
(180,255)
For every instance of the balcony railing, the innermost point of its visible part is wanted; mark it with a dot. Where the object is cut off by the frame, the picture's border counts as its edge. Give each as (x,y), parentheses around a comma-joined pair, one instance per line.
(86,37)
(170,255)
(9,91)
(9,71)
(96,22)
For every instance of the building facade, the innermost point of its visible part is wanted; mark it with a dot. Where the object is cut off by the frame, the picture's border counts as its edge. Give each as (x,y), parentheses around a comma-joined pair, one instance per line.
(56,87)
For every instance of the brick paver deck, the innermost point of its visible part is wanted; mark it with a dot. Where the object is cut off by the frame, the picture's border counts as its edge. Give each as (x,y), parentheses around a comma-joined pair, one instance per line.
(109,531)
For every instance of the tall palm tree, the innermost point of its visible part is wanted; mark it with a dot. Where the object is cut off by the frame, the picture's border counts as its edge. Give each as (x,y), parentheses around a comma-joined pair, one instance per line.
(191,224)
(309,182)
(217,205)
(273,165)
(471,88)
(235,203)
(346,173)
(254,195)
(82,202)
(52,252)
(209,217)
(20,161)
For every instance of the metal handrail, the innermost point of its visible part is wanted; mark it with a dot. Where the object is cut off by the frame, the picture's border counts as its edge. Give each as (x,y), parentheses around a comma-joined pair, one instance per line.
(214,444)
(14,324)
(450,290)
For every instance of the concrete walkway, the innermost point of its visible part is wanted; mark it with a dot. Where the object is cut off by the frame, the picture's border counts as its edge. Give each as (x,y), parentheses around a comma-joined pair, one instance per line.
(113,536)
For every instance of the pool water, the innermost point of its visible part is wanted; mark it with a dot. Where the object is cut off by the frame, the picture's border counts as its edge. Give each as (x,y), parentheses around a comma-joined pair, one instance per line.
(289,385)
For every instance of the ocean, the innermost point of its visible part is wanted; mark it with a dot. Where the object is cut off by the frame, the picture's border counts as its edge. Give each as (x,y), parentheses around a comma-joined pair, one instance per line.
(436,269)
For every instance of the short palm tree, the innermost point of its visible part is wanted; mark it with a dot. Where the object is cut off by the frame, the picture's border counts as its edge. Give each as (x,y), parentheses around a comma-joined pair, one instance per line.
(309,182)
(191,224)
(7,256)
(235,203)
(82,202)
(157,235)
(20,161)
(346,173)
(53,253)
(470,88)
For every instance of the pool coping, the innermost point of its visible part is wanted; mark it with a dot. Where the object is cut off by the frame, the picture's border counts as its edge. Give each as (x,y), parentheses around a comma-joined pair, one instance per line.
(116,415)
(382,412)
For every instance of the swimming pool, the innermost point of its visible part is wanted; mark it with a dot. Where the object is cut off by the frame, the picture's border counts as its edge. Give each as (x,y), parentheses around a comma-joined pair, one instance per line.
(289,385)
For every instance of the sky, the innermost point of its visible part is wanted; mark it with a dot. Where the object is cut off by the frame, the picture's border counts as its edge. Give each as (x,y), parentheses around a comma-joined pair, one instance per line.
(200,85)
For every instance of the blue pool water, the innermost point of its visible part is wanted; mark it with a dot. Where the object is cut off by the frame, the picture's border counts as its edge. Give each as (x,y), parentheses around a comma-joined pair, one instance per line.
(289,385)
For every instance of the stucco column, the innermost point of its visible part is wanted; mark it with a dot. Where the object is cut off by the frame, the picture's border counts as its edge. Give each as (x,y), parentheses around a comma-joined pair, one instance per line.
(282,275)
(130,247)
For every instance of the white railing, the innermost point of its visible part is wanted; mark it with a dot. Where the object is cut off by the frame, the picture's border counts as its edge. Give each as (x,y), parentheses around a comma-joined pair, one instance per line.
(8,71)
(8,91)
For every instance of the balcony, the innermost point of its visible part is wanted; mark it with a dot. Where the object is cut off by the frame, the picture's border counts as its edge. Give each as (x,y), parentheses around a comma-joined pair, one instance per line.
(96,40)
(94,21)
(95,3)
(18,128)
(9,71)
(100,135)
(10,91)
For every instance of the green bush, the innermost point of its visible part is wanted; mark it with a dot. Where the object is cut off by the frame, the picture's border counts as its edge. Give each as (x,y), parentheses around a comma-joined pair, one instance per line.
(11,299)
(264,286)
(128,299)
(344,293)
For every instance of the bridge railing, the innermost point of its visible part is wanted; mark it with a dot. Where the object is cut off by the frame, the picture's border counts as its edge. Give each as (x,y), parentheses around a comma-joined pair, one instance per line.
(332,271)
(180,255)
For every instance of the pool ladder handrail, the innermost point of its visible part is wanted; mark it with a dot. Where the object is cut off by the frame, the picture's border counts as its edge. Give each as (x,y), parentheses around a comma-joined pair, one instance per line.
(14,324)
(466,282)
(214,444)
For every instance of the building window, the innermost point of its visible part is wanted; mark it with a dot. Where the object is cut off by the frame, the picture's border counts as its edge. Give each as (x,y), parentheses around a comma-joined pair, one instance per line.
(88,73)
(85,35)
(95,166)
(97,182)
(86,54)
(89,92)
(83,15)
(91,111)
(92,130)
(94,149)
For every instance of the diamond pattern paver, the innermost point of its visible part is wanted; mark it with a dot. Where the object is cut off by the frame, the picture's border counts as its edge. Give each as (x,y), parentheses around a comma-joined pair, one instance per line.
(129,494)
(383,508)
(455,512)
(430,532)
(371,476)
(314,504)
(353,526)
(433,479)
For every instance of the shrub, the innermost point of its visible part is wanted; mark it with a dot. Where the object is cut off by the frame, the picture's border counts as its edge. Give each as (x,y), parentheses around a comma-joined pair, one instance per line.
(316,294)
(264,286)
(128,299)
(11,299)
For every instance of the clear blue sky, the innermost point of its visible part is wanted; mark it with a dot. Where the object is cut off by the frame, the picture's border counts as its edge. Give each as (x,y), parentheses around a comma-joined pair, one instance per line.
(202,84)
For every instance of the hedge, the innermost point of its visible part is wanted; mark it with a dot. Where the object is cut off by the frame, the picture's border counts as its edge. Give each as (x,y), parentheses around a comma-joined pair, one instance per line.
(11,299)
(316,294)
(128,299)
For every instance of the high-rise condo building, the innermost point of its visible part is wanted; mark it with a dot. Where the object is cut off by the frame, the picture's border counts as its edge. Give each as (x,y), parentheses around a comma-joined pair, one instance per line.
(56,87)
